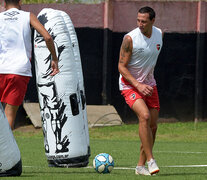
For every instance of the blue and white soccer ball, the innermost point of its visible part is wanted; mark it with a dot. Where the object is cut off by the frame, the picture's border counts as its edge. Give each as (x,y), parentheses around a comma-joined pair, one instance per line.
(103,163)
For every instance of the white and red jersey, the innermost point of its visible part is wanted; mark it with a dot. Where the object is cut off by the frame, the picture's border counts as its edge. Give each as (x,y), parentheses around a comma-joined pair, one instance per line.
(15,42)
(144,57)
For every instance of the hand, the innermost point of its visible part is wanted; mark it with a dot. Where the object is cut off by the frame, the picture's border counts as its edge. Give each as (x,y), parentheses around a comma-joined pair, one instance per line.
(146,90)
(54,66)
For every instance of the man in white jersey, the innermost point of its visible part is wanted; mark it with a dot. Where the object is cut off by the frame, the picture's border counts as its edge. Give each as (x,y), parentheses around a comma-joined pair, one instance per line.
(15,55)
(138,56)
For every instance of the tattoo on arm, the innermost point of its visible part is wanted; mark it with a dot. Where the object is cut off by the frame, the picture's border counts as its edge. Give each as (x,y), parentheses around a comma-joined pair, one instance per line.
(125,49)
(126,46)
(125,55)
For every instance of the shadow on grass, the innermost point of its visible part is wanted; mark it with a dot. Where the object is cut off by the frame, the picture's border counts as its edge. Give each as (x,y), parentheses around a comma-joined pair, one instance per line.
(57,172)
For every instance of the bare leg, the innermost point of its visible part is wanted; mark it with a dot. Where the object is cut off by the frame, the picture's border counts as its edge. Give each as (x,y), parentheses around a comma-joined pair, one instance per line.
(153,126)
(142,157)
(10,112)
(145,132)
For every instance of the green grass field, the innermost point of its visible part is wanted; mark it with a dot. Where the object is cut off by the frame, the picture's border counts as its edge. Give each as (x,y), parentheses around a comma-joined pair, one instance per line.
(178,144)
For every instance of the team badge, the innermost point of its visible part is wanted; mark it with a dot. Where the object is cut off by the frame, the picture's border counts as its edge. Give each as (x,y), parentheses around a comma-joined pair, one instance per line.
(133,96)
(158,47)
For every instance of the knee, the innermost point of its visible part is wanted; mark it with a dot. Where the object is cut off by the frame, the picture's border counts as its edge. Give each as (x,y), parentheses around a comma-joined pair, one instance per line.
(144,119)
(145,116)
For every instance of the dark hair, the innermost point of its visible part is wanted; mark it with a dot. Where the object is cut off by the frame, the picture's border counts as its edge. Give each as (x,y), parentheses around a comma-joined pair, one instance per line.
(148,10)
(12,1)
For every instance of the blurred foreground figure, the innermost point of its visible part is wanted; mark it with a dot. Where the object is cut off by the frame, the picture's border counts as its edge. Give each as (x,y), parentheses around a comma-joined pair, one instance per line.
(15,55)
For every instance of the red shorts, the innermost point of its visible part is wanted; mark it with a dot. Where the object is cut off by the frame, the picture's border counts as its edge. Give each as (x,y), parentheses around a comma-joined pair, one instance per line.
(13,88)
(131,95)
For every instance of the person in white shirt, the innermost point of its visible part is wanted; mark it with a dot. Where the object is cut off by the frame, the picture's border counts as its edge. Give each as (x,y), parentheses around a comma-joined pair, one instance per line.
(138,56)
(15,55)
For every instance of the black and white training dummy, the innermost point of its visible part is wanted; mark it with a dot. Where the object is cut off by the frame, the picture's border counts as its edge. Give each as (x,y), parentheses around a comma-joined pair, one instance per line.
(61,97)
(10,158)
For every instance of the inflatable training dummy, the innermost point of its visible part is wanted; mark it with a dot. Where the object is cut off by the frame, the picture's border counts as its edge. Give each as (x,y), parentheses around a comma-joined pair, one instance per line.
(10,158)
(61,97)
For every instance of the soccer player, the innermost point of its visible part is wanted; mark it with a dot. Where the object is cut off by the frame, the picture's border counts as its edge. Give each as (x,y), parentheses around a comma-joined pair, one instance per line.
(15,55)
(138,56)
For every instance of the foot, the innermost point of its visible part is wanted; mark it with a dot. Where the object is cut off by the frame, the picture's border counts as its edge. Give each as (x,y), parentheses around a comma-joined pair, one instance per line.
(152,167)
(142,170)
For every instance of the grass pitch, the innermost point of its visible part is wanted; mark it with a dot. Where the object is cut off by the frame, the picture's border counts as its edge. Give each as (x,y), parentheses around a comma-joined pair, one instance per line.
(180,151)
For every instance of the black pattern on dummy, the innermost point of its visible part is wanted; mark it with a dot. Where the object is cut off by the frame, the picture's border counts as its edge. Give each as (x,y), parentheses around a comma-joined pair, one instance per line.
(60,49)
(53,111)
(52,108)
(38,39)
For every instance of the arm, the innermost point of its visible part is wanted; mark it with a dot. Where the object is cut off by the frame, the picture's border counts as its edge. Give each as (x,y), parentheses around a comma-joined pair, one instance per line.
(48,40)
(124,58)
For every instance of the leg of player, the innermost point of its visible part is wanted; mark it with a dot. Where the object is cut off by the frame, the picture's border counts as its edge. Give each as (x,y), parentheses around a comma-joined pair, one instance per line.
(10,112)
(152,165)
(142,156)
(145,133)
(143,114)
(141,169)
(153,125)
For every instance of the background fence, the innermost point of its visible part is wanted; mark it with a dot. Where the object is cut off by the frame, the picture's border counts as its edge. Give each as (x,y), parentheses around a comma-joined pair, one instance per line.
(181,67)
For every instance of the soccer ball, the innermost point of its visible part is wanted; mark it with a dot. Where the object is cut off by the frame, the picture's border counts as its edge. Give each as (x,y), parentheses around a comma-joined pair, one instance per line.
(103,163)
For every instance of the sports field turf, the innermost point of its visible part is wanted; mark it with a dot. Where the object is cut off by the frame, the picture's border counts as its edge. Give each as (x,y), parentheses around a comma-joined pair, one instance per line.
(180,151)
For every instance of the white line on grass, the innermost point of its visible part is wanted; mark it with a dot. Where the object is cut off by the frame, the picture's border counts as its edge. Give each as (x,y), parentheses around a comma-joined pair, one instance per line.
(130,168)
(174,166)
